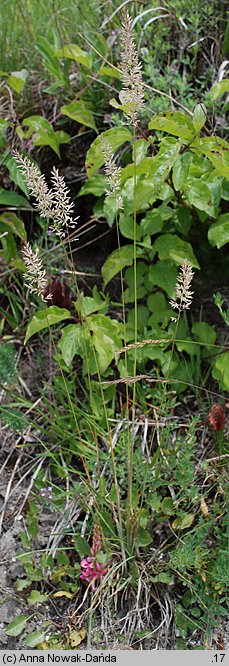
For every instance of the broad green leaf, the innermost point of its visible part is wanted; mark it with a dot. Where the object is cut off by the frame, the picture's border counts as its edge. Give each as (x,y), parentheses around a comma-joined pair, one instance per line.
(126,226)
(73,340)
(52,139)
(81,545)
(220,370)
(87,305)
(217,152)
(199,195)
(181,170)
(199,117)
(9,198)
(36,123)
(79,112)
(105,339)
(17,625)
(17,80)
(16,225)
(116,261)
(36,597)
(46,318)
(95,158)
(218,233)
(167,506)
(162,163)
(74,52)
(142,538)
(96,185)
(164,275)
(172,247)
(183,522)
(219,89)
(8,243)
(175,123)
(16,175)
(204,333)
(110,71)
(35,638)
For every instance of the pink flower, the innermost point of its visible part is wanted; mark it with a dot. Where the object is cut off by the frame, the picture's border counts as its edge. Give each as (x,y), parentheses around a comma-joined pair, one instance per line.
(92,570)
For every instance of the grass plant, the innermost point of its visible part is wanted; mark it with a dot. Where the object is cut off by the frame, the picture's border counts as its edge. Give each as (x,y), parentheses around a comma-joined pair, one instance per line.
(117,454)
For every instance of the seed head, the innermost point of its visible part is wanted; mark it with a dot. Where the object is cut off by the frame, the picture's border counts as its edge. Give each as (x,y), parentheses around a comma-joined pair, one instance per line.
(35,273)
(112,172)
(62,206)
(36,184)
(51,204)
(183,294)
(133,94)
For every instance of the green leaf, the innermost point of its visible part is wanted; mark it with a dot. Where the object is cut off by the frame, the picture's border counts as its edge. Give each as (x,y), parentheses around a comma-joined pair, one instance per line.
(46,318)
(16,225)
(199,117)
(74,52)
(17,625)
(181,170)
(52,139)
(219,89)
(110,71)
(34,638)
(166,578)
(95,158)
(204,333)
(163,274)
(52,61)
(8,198)
(81,546)
(167,506)
(142,538)
(172,247)
(126,226)
(220,370)
(218,233)
(73,340)
(16,175)
(17,80)
(36,597)
(96,185)
(37,123)
(79,112)
(199,195)
(175,123)
(162,163)
(105,339)
(183,522)
(116,261)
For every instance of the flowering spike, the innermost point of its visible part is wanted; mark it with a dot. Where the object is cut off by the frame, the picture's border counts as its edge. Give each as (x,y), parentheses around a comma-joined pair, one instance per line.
(133,94)
(36,184)
(112,173)
(62,206)
(35,273)
(52,204)
(183,294)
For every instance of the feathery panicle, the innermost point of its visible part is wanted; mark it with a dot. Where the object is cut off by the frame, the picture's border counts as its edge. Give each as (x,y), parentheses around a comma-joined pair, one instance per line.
(51,204)
(133,95)
(62,207)
(36,184)
(35,273)
(183,293)
(112,173)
